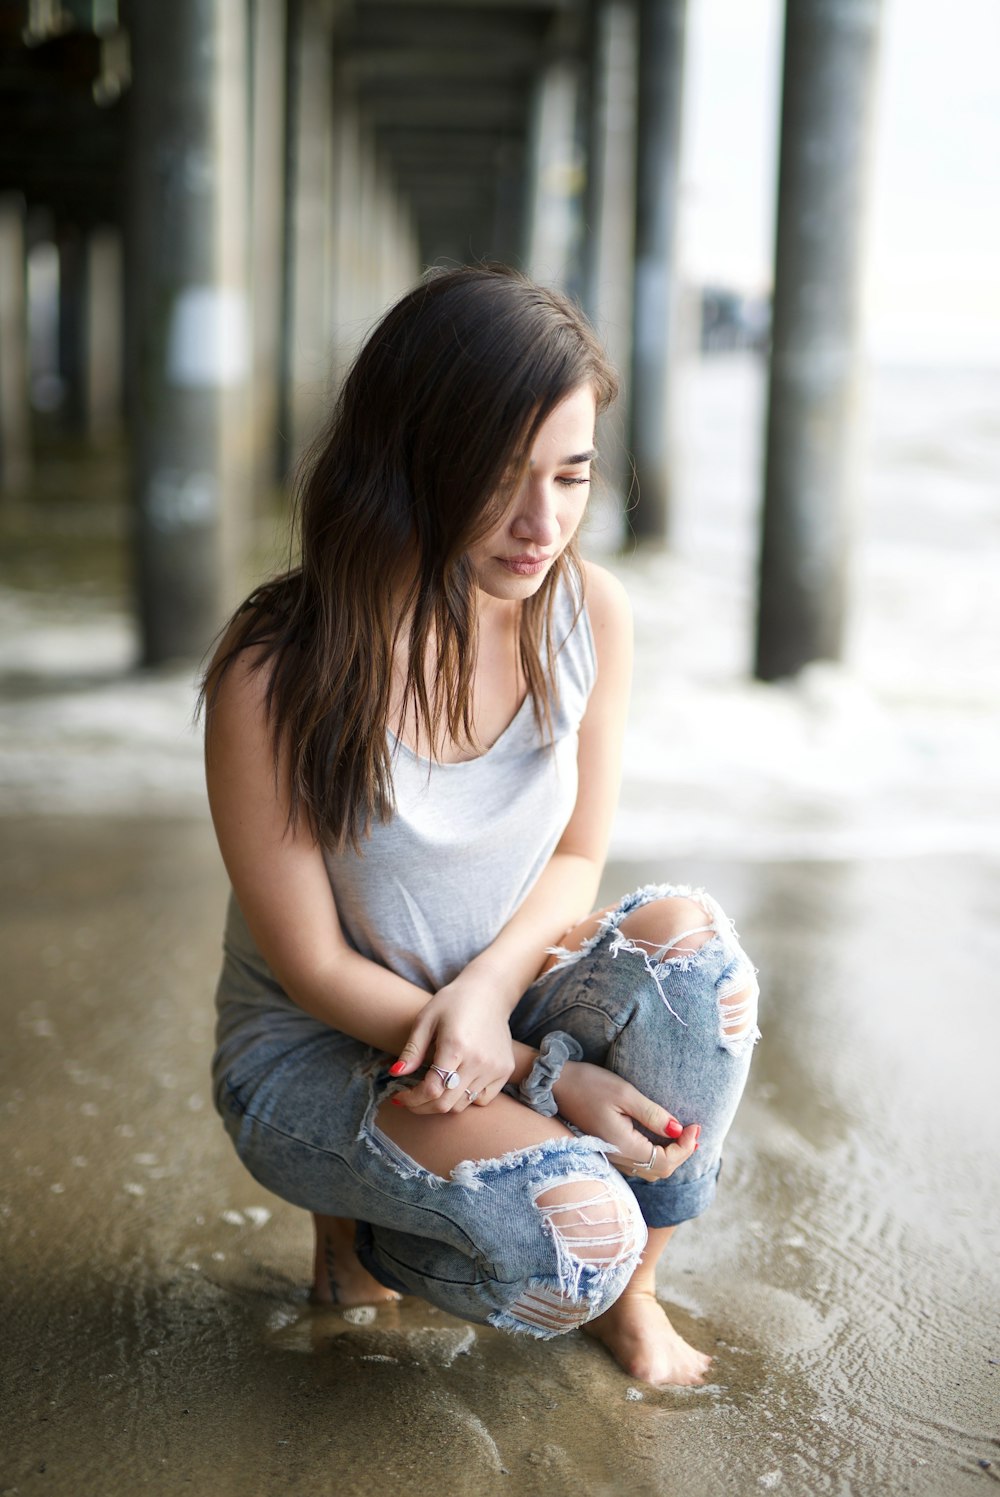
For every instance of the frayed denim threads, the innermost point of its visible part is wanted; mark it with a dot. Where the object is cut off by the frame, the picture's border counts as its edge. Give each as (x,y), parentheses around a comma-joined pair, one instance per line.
(543,1238)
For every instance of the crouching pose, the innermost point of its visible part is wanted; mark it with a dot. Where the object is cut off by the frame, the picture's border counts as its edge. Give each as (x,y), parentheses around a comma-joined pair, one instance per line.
(486,1095)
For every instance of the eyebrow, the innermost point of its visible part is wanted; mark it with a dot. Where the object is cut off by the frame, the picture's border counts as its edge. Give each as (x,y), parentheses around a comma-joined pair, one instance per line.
(571,462)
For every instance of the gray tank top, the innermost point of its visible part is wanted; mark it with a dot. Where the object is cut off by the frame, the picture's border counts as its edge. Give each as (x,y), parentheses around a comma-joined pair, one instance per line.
(437,883)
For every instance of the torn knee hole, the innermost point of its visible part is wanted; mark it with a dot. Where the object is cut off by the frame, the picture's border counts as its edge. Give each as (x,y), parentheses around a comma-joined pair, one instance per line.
(673,926)
(593,1233)
(738,1012)
(550,1309)
(588,1222)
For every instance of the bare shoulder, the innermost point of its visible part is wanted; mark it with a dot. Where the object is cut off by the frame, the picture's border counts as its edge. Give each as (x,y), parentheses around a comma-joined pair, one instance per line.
(608,604)
(236,691)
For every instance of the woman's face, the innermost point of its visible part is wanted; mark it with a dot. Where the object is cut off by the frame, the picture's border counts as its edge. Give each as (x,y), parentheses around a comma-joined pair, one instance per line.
(511,562)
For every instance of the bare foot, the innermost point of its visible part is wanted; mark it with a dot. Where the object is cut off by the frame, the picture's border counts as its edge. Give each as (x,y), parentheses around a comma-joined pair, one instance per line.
(641,1339)
(339,1277)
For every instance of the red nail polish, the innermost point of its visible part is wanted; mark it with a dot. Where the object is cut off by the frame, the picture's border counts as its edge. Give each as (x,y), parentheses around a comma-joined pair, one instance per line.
(397,1101)
(674,1129)
(397,1067)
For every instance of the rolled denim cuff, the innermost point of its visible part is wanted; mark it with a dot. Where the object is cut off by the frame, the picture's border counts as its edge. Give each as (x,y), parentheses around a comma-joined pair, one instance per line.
(536,1088)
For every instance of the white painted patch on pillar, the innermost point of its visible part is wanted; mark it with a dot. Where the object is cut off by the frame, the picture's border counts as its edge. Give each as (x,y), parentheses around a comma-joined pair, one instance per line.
(177,500)
(208,344)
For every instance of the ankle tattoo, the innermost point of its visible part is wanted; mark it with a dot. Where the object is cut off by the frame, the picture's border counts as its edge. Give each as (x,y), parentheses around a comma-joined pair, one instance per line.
(330,1259)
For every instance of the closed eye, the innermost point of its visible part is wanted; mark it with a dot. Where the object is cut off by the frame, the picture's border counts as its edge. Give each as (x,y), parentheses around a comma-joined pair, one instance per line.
(570,482)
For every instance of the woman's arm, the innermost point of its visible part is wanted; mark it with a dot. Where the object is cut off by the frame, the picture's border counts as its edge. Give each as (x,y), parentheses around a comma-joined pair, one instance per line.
(280,880)
(281,884)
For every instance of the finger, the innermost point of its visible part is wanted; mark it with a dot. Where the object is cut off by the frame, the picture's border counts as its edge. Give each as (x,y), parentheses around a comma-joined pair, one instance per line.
(651,1161)
(491,1089)
(654,1117)
(675,1154)
(435,1106)
(479,1093)
(421,1098)
(634,1147)
(640,1156)
(432,1092)
(418,1096)
(412,1054)
(468,1093)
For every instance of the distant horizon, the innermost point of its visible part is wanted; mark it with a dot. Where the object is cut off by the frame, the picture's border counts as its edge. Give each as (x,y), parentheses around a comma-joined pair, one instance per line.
(933,234)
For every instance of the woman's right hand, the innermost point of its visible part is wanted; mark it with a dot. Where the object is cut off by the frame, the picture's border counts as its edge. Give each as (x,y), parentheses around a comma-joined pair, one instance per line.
(605,1105)
(464,1028)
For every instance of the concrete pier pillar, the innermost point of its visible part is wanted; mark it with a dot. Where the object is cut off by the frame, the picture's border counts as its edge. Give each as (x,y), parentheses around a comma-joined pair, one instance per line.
(90,331)
(657,193)
(388,240)
(309,188)
(232,108)
(610,214)
(552,214)
(408,255)
(385,240)
(509,236)
(104,335)
(188,352)
(15,414)
(813,416)
(72,336)
(267,236)
(367,210)
(346,257)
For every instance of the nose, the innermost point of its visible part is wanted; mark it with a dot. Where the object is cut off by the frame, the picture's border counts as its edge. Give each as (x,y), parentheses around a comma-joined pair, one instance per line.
(535,516)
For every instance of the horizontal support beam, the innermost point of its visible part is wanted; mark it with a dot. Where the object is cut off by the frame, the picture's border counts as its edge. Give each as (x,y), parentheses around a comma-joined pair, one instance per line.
(434,64)
(440,112)
(562,7)
(374,27)
(451,152)
(445,184)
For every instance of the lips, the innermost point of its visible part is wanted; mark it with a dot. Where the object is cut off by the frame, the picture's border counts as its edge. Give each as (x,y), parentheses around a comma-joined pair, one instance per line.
(524,566)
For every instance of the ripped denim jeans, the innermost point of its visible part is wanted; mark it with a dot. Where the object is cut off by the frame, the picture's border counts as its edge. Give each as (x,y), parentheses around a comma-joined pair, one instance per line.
(545,1238)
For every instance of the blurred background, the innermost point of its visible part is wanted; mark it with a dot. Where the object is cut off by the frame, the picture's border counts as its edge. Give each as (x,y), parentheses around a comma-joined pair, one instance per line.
(784,222)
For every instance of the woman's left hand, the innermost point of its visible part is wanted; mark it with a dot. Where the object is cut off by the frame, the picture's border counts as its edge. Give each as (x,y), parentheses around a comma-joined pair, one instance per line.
(465,1031)
(597,1101)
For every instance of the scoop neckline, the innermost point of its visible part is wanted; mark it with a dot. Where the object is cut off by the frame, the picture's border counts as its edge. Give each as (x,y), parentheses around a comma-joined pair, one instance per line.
(401,744)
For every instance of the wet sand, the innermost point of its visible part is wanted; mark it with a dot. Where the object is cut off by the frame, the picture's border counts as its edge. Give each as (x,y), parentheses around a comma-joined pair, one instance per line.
(156,1334)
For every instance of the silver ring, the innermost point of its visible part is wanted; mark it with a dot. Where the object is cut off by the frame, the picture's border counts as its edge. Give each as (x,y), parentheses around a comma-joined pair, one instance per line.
(451,1079)
(471,1095)
(650,1161)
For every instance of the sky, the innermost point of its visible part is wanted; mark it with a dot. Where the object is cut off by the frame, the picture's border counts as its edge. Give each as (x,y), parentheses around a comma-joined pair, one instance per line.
(933,230)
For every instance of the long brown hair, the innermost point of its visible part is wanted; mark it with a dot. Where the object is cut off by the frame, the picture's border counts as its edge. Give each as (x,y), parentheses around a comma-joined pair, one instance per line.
(418,461)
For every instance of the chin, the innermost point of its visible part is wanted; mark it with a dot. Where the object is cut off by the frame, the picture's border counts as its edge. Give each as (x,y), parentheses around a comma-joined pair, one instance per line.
(508,588)
(498,581)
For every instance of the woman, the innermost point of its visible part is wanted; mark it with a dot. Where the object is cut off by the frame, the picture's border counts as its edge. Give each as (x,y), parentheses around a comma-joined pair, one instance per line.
(485,1095)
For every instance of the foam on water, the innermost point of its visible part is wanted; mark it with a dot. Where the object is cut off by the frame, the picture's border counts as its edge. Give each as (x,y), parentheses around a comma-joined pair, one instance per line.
(895,751)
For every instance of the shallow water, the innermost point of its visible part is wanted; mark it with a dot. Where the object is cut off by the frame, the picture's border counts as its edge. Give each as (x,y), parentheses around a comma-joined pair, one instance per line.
(847,1279)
